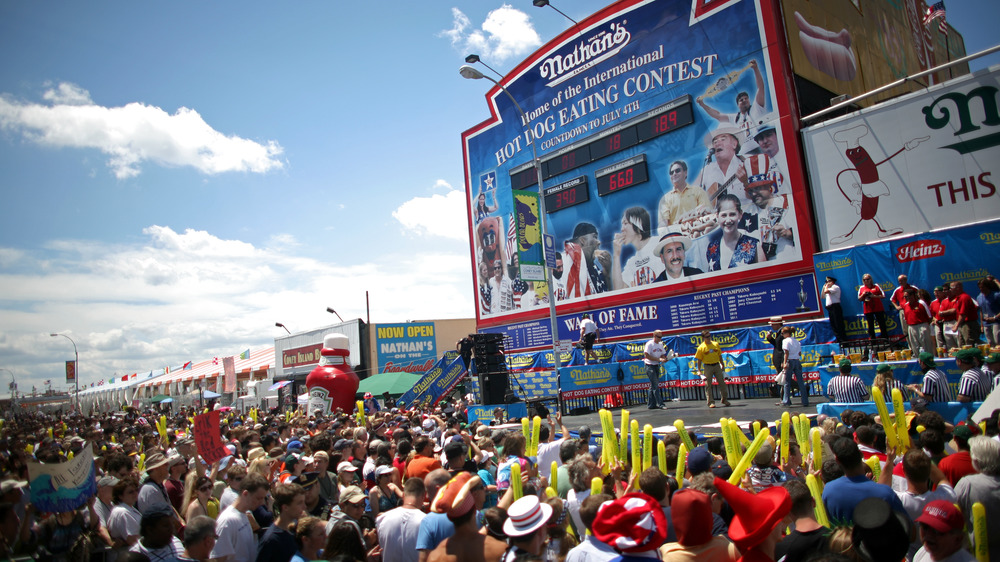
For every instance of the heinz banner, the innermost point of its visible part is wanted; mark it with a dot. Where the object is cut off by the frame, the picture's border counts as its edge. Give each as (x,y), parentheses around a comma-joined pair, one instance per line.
(59,487)
(409,347)
(663,160)
(917,163)
(964,254)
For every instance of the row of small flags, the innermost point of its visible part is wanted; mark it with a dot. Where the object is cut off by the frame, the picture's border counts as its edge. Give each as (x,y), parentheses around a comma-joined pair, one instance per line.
(936,11)
(186,366)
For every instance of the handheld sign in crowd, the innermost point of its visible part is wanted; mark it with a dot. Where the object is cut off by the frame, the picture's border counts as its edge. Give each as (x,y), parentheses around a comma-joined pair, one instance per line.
(64,486)
(206,437)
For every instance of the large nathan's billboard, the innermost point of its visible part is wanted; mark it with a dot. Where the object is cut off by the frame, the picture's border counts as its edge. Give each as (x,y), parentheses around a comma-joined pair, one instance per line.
(670,175)
(921,162)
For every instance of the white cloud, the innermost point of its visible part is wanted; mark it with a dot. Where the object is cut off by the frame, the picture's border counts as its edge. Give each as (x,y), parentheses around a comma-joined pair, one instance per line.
(506,33)
(437,215)
(134,134)
(181,296)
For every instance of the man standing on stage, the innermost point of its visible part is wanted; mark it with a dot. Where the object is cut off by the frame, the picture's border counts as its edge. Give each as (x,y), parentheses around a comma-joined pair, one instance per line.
(709,358)
(588,337)
(898,297)
(653,355)
(464,347)
(831,301)
(961,309)
(774,338)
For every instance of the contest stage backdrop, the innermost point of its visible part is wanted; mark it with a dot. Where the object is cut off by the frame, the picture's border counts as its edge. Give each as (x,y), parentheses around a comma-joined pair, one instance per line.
(643,116)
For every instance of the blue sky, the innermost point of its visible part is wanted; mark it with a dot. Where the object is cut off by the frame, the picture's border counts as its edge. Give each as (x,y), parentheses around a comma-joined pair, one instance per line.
(179,176)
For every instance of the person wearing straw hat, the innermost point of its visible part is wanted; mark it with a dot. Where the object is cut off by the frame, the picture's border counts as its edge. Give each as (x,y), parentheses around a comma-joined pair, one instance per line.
(525,528)
(758,521)
(152,492)
(935,386)
(672,249)
(459,500)
(634,525)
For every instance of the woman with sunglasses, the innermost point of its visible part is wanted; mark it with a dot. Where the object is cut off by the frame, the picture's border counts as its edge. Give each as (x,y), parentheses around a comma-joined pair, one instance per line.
(123,522)
(198,498)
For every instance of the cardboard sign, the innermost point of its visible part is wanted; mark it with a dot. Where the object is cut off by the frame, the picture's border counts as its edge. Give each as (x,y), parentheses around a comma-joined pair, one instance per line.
(207,438)
(64,486)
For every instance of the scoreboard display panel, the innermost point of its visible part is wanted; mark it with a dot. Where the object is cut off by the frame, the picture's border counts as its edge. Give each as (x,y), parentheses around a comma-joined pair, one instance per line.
(648,139)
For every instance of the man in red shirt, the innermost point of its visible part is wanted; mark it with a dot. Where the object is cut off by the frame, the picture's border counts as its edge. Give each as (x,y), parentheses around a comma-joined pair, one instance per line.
(917,316)
(940,297)
(958,464)
(961,309)
(871,296)
(898,297)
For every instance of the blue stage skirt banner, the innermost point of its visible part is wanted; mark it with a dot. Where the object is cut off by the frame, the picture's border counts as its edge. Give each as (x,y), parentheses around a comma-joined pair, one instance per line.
(484,414)
(60,487)
(928,260)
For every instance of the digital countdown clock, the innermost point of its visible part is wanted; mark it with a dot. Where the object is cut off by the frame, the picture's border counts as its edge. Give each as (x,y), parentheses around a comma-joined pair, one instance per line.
(621,175)
(566,194)
(651,124)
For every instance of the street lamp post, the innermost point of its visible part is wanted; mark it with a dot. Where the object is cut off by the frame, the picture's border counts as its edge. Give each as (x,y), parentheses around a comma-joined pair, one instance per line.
(332,311)
(76,368)
(280,325)
(472,74)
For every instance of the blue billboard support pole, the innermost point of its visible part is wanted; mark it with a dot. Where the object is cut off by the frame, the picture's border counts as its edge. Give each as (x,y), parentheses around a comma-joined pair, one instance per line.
(472,74)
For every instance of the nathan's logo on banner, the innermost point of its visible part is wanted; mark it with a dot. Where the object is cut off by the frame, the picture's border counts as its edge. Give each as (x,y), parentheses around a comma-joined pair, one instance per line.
(986,106)
(964,276)
(585,54)
(834,264)
(724,340)
(990,237)
(591,376)
(920,250)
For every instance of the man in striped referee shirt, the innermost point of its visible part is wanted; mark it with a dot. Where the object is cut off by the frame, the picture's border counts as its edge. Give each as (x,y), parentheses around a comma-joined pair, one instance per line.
(935,387)
(846,387)
(973,387)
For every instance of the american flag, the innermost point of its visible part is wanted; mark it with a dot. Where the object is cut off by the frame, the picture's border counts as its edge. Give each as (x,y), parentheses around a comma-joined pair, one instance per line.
(934,12)
(511,245)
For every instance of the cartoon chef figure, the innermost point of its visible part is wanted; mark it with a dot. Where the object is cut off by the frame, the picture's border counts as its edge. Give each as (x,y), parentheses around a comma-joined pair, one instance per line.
(870,187)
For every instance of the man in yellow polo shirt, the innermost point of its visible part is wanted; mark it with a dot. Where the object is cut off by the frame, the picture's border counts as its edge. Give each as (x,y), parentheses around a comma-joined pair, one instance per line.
(709,357)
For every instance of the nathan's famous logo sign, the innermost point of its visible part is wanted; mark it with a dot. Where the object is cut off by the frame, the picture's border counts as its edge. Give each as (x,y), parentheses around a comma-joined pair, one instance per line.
(409,347)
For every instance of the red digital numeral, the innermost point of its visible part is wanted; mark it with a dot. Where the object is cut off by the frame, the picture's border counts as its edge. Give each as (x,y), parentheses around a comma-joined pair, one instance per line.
(622,179)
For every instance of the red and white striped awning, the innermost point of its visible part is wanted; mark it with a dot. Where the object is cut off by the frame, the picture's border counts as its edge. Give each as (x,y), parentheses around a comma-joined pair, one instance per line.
(260,359)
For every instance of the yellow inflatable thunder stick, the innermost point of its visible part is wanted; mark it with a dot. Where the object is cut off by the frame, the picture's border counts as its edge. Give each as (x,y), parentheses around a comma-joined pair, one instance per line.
(361,413)
(596,486)
(741,467)
(515,480)
(536,429)
(554,475)
(742,439)
(816,489)
(817,448)
(636,454)
(729,442)
(891,437)
(647,446)
(525,427)
(876,467)
(902,429)
(682,456)
(786,421)
(623,444)
(661,455)
(756,428)
(979,532)
(685,438)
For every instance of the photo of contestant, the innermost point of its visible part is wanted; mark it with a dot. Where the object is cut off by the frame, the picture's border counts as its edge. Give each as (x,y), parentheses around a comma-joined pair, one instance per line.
(644,266)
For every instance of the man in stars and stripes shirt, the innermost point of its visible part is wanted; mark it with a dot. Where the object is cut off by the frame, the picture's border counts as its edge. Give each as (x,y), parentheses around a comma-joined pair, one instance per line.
(973,387)
(935,387)
(846,387)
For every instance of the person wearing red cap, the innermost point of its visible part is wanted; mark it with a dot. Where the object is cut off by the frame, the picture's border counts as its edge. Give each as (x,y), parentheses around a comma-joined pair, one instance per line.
(634,525)
(691,512)
(458,499)
(760,518)
(941,533)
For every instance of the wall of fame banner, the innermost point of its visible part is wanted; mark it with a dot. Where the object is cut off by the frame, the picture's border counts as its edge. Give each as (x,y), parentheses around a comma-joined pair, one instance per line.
(668,162)
(928,260)
(409,347)
(920,162)
(739,304)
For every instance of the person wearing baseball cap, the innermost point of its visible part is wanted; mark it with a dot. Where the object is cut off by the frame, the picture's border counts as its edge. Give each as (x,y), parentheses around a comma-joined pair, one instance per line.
(991,368)
(941,532)
(831,301)
(935,386)
(959,463)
